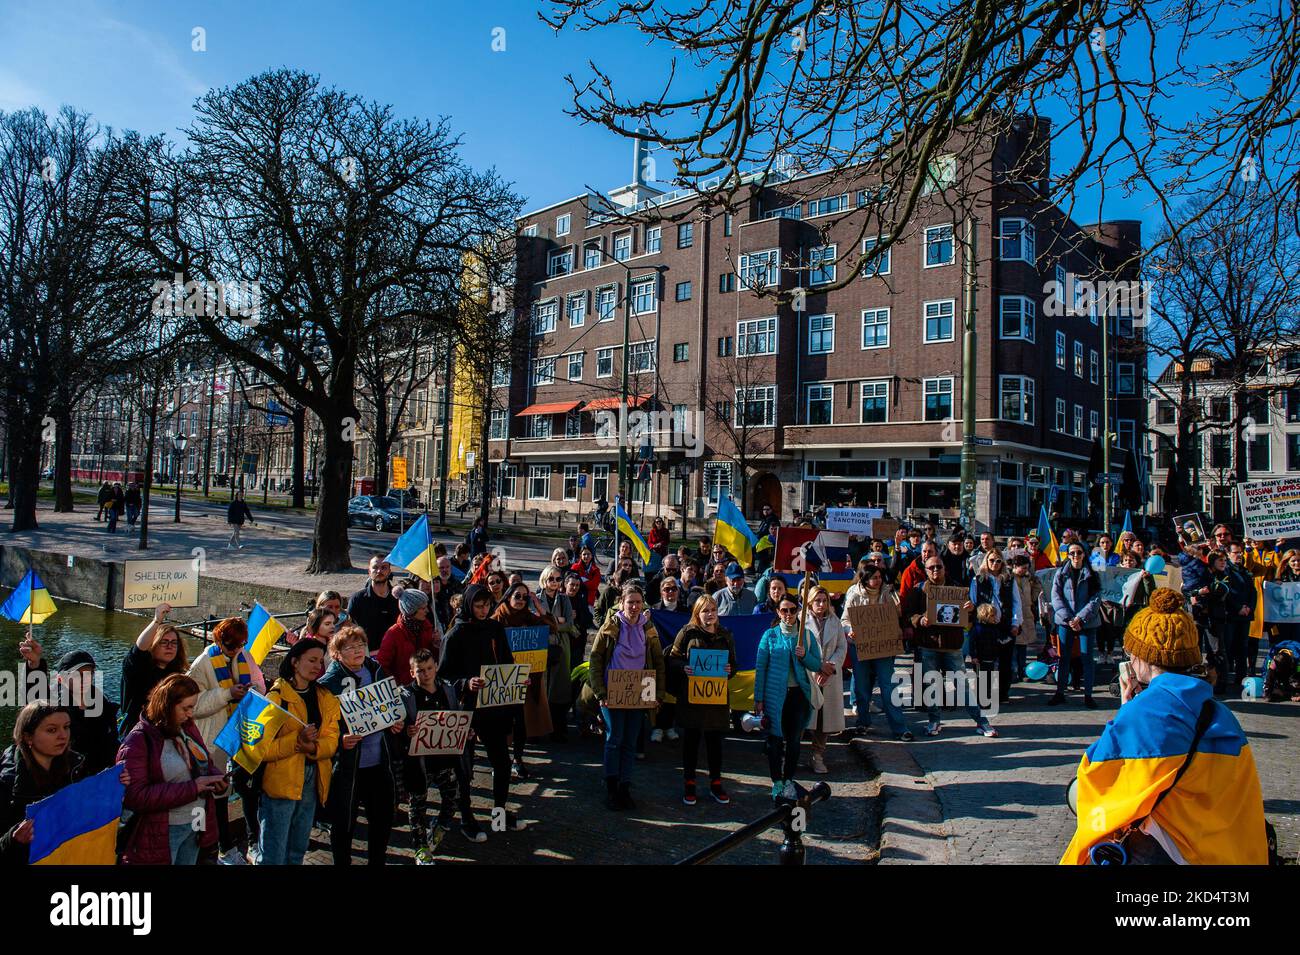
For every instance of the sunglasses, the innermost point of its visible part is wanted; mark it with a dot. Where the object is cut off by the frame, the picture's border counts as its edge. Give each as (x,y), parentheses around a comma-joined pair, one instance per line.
(518,596)
(786,610)
(930,570)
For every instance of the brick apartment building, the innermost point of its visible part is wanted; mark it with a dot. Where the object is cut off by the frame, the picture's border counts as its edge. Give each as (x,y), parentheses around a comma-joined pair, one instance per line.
(851,400)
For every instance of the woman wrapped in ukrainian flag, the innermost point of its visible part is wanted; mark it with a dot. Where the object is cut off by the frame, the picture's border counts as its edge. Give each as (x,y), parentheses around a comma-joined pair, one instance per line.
(1215,813)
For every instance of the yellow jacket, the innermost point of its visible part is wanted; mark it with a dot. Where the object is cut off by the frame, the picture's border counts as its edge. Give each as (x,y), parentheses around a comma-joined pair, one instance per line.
(1263,565)
(285,766)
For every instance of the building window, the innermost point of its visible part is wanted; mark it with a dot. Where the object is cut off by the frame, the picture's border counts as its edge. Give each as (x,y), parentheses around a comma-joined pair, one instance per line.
(1220,409)
(641,357)
(726,223)
(1017,398)
(1078,359)
(820,399)
(875,328)
(500,375)
(559,262)
(545,315)
(622,246)
(1060,415)
(570,488)
(1258,454)
(645,298)
(683,291)
(938,321)
(875,402)
(539,482)
(1094,425)
(506,479)
(1060,350)
(938,399)
(722,409)
(604,362)
(576,306)
(1127,434)
(573,424)
(544,371)
(756,337)
(591,254)
(821,265)
(539,426)
(530,231)
(821,334)
(606,302)
(1078,421)
(1092,366)
(938,246)
(940,173)
(1293,452)
(600,481)
(1292,403)
(756,407)
(724,346)
(1126,384)
(821,207)
(681,351)
(685,235)
(498,425)
(727,282)
(1016,241)
(653,238)
(761,270)
(1165,413)
(562,224)
(877,263)
(1257,409)
(1220,450)
(1018,316)
(717,481)
(575,366)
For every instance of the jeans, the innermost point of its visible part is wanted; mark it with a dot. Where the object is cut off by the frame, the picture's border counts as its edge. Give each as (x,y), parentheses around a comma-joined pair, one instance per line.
(112,521)
(234,536)
(932,661)
(286,823)
(184,843)
(622,727)
(783,750)
(132,514)
(880,673)
(1021,658)
(372,786)
(1067,638)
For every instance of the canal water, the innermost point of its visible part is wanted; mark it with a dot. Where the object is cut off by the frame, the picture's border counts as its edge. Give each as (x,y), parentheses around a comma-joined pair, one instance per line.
(107,634)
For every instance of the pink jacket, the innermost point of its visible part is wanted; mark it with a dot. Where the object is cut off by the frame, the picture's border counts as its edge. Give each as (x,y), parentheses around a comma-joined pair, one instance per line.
(150,796)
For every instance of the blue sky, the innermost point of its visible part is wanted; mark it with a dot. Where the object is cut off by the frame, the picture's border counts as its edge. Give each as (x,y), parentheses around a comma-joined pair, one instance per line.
(131,65)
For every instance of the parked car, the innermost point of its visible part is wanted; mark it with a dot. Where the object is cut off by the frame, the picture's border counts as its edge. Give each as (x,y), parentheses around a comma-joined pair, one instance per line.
(381,513)
(410,500)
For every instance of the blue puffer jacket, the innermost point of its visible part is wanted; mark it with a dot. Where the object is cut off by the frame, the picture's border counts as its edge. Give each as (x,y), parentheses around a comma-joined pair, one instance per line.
(1196,574)
(771,674)
(1086,604)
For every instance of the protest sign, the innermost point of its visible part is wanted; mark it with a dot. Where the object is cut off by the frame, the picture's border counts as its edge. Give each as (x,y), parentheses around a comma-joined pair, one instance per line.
(528,646)
(1270,509)
(506,685)
(369,709)
(708,680)
(943,606)
(1282,602)
(1190,527)
(441,733)
(830,548)
(876,631)
(630,689)
(149,583)
(855,520)
(1113,580)
(884,528)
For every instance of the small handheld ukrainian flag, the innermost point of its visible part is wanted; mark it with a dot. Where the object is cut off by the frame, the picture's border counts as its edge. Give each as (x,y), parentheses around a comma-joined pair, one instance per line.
(1128,523)
(263,631)
(732,531)
(1046,538)
(78,824)
(627,527)
(413,551)
(255,718)
(30,602)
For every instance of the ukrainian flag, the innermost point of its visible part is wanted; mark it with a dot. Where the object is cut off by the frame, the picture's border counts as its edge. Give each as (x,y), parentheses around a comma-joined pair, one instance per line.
(78,824)
(1046,539)
(1215,815)
(30,602)
(627,528)
(746,630)
(413,551)
(732,532)
(263,631)
(254,719)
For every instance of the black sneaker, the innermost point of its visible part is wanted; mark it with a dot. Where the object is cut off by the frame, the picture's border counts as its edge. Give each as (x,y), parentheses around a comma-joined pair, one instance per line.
(1089,702)
(1056,700)
(514,823)
(473,832)
(625,796)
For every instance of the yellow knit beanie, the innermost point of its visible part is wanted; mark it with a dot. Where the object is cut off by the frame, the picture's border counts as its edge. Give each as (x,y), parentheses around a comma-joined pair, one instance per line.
(1164,634)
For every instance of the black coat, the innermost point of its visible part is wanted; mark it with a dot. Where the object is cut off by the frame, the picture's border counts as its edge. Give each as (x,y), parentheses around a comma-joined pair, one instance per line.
(373,614)
(469,646)
(18,790)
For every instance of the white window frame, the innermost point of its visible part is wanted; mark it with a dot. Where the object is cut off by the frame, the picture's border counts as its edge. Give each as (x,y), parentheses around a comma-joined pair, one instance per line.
(619,238)
(580,314)
(940,174)
(654,238)
(559,257)
(825,392)
(541,374)
(885,263)
(827,205)
(1060,417)
(875,313)
(1094,424)
(881,384)
(549,308)
(573,417)
(499,416)
(1094,366)
(596,304)
(501,380)
(766,261)
(747,328)
(1024,389)
(603,354)
(827,329)
(819,271)
(562,224)
(952,320)
(590,261)
(1060,276)
(540,427)
(1078,421)
(745,396)
(570,474)
(926,391)
(1026,331)
(641,357)
(639,284)
(1078,359)
(1023,234)
(575,361)
(717,476)
(925,246)
(1062,351)
(530,230)
(508,480)
(537,472)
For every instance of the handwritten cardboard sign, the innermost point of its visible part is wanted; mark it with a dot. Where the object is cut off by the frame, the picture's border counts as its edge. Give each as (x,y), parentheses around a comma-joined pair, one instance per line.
(1282,602)
(369,709)
(876,631)
(149,583)
(1270,509)
(507,685)
(707,683)
(630,689)
(441,733)
(943,606)
(528,645)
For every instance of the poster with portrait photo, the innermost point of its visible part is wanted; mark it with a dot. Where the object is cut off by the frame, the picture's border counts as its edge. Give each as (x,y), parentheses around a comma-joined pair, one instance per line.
(944,605)
(1190,528)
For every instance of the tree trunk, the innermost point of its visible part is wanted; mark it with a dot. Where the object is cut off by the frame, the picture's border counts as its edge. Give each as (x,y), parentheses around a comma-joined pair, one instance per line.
(26,476)
(383,442)
(63,461)
(331,550)
(299,498)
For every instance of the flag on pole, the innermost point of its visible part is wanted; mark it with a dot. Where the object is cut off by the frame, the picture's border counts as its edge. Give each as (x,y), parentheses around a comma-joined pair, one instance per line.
(254,719)
(263,631)
(1046,538)
(30,602)
(78,824)
(731,530)
(1128,523)
(413,551)
(627,527)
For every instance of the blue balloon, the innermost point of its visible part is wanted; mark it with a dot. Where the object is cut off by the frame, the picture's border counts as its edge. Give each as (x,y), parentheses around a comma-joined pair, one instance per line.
(1155,564)
(1036,670)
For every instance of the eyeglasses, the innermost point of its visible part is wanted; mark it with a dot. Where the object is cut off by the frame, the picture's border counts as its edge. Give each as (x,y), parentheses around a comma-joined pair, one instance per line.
(169,643)
(931,568)
(667,588)
(787,610)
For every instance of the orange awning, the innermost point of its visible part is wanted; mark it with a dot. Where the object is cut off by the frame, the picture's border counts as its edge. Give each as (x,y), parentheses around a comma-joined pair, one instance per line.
(553,407)
(608,404)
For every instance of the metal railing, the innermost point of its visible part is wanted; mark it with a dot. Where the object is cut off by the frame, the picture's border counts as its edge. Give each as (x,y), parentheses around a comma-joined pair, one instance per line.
(791,814)
(212,620)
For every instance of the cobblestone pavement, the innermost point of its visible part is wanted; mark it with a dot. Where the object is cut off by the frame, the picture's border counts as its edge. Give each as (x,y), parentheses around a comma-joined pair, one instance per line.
(563,804)
(1003,800)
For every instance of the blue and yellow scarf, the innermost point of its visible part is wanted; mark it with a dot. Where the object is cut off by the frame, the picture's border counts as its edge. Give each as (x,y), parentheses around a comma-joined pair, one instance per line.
(221,668)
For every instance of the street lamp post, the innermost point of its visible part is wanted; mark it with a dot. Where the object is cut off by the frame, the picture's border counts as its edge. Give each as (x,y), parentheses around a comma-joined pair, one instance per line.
(178,442)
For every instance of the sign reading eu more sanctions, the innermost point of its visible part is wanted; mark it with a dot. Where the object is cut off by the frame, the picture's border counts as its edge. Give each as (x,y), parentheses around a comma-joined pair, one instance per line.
(1270,509)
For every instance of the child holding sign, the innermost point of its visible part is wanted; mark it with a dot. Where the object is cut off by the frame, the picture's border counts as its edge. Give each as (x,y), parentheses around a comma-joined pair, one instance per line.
(707,721)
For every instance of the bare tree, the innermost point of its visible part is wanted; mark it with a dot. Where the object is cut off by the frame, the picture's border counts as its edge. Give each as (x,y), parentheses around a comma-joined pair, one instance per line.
(742,420)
